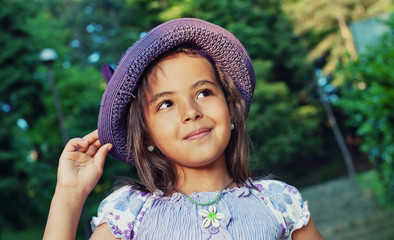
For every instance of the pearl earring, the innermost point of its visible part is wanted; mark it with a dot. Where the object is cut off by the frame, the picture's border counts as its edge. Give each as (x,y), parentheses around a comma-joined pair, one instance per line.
(151,148)
(232,126)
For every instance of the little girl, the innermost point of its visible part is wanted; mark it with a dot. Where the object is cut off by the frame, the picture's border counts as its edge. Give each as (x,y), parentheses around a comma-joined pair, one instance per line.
(175,108)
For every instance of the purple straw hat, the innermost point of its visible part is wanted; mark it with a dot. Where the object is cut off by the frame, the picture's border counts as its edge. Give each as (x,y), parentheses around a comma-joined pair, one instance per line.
(225,49)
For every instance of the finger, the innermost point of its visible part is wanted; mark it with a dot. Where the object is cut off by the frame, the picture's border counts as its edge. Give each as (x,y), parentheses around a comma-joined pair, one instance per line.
(99,158)
(76,157)
(91,137)
(75,144)
(83,148)
(92,149)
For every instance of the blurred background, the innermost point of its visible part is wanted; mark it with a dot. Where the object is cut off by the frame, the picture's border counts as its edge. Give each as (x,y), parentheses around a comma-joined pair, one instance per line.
(322,116)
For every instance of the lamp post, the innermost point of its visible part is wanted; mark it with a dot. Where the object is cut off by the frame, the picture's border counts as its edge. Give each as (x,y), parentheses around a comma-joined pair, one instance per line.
(48,56)
(334,126)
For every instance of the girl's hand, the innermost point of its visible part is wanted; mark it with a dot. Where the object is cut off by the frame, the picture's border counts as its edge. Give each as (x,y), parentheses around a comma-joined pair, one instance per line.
(80,167)
(81,164)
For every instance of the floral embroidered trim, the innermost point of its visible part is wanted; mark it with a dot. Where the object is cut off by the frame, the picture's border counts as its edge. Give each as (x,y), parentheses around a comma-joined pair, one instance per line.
(211,217)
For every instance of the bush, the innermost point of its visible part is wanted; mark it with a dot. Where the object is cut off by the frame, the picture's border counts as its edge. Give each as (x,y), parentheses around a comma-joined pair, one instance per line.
(368,100)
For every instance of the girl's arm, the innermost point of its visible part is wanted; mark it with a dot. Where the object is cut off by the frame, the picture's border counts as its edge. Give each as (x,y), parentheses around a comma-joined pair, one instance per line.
(102,232)
(80,167)
(308,232)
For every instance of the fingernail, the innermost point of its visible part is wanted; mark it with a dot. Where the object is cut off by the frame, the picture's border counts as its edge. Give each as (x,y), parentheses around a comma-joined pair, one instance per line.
(109,147)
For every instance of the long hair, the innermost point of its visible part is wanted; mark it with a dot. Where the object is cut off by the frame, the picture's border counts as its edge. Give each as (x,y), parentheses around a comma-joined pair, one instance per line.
(154,169)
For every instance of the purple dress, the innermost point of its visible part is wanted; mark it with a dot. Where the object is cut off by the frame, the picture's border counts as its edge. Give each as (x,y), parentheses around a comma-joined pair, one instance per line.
(272,212)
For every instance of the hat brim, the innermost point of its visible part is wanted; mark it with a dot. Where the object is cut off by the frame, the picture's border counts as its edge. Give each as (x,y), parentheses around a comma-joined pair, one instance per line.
(225,49)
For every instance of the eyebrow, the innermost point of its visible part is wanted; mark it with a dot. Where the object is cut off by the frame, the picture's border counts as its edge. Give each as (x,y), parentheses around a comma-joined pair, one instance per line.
(204,82)
(159,95)
(195,85)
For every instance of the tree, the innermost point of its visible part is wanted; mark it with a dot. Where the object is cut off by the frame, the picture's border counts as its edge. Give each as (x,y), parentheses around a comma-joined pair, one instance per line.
(367,100)
(20,106)
(30,139)
(323,26)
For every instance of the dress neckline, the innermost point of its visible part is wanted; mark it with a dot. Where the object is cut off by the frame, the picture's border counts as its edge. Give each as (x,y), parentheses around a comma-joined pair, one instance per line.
(234,191)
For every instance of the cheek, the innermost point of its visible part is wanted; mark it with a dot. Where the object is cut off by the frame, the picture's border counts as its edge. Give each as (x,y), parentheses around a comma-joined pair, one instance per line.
(161,131)
(222,111)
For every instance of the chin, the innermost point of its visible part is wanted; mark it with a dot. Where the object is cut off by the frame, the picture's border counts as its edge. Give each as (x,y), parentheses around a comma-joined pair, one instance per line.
(199,163)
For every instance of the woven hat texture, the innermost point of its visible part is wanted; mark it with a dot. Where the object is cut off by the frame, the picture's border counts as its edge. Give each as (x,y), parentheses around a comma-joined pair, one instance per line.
(221,45)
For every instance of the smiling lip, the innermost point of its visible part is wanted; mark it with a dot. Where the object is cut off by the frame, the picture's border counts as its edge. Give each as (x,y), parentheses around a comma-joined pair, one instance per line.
(200,133)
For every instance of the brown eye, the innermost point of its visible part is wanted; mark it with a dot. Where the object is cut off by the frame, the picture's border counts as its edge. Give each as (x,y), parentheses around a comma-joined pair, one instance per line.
(164,105)
(204,93)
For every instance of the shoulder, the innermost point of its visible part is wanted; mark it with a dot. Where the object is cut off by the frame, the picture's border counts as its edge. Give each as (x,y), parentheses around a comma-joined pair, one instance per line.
(276,187)
(125,199)
(286,202)
(120,209)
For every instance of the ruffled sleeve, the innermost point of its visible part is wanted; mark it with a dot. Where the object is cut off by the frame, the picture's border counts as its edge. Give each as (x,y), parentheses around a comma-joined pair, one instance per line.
(122,210)
(286,203)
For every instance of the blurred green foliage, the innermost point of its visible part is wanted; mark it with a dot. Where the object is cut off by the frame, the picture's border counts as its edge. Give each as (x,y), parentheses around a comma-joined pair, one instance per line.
(20,102)
(370,182)
(286,122)
(323,26)
(368,101)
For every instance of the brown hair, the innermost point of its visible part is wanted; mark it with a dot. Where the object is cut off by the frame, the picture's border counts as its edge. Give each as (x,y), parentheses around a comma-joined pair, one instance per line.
(154,169)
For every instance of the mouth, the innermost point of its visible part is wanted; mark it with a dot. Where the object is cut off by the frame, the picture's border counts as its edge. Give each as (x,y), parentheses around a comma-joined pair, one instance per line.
(198,134)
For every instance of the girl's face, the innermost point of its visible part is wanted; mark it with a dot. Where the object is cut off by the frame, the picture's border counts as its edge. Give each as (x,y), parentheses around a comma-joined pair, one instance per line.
(187,113)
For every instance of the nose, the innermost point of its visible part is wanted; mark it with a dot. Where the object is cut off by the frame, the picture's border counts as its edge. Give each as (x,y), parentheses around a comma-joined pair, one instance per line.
(191,111)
